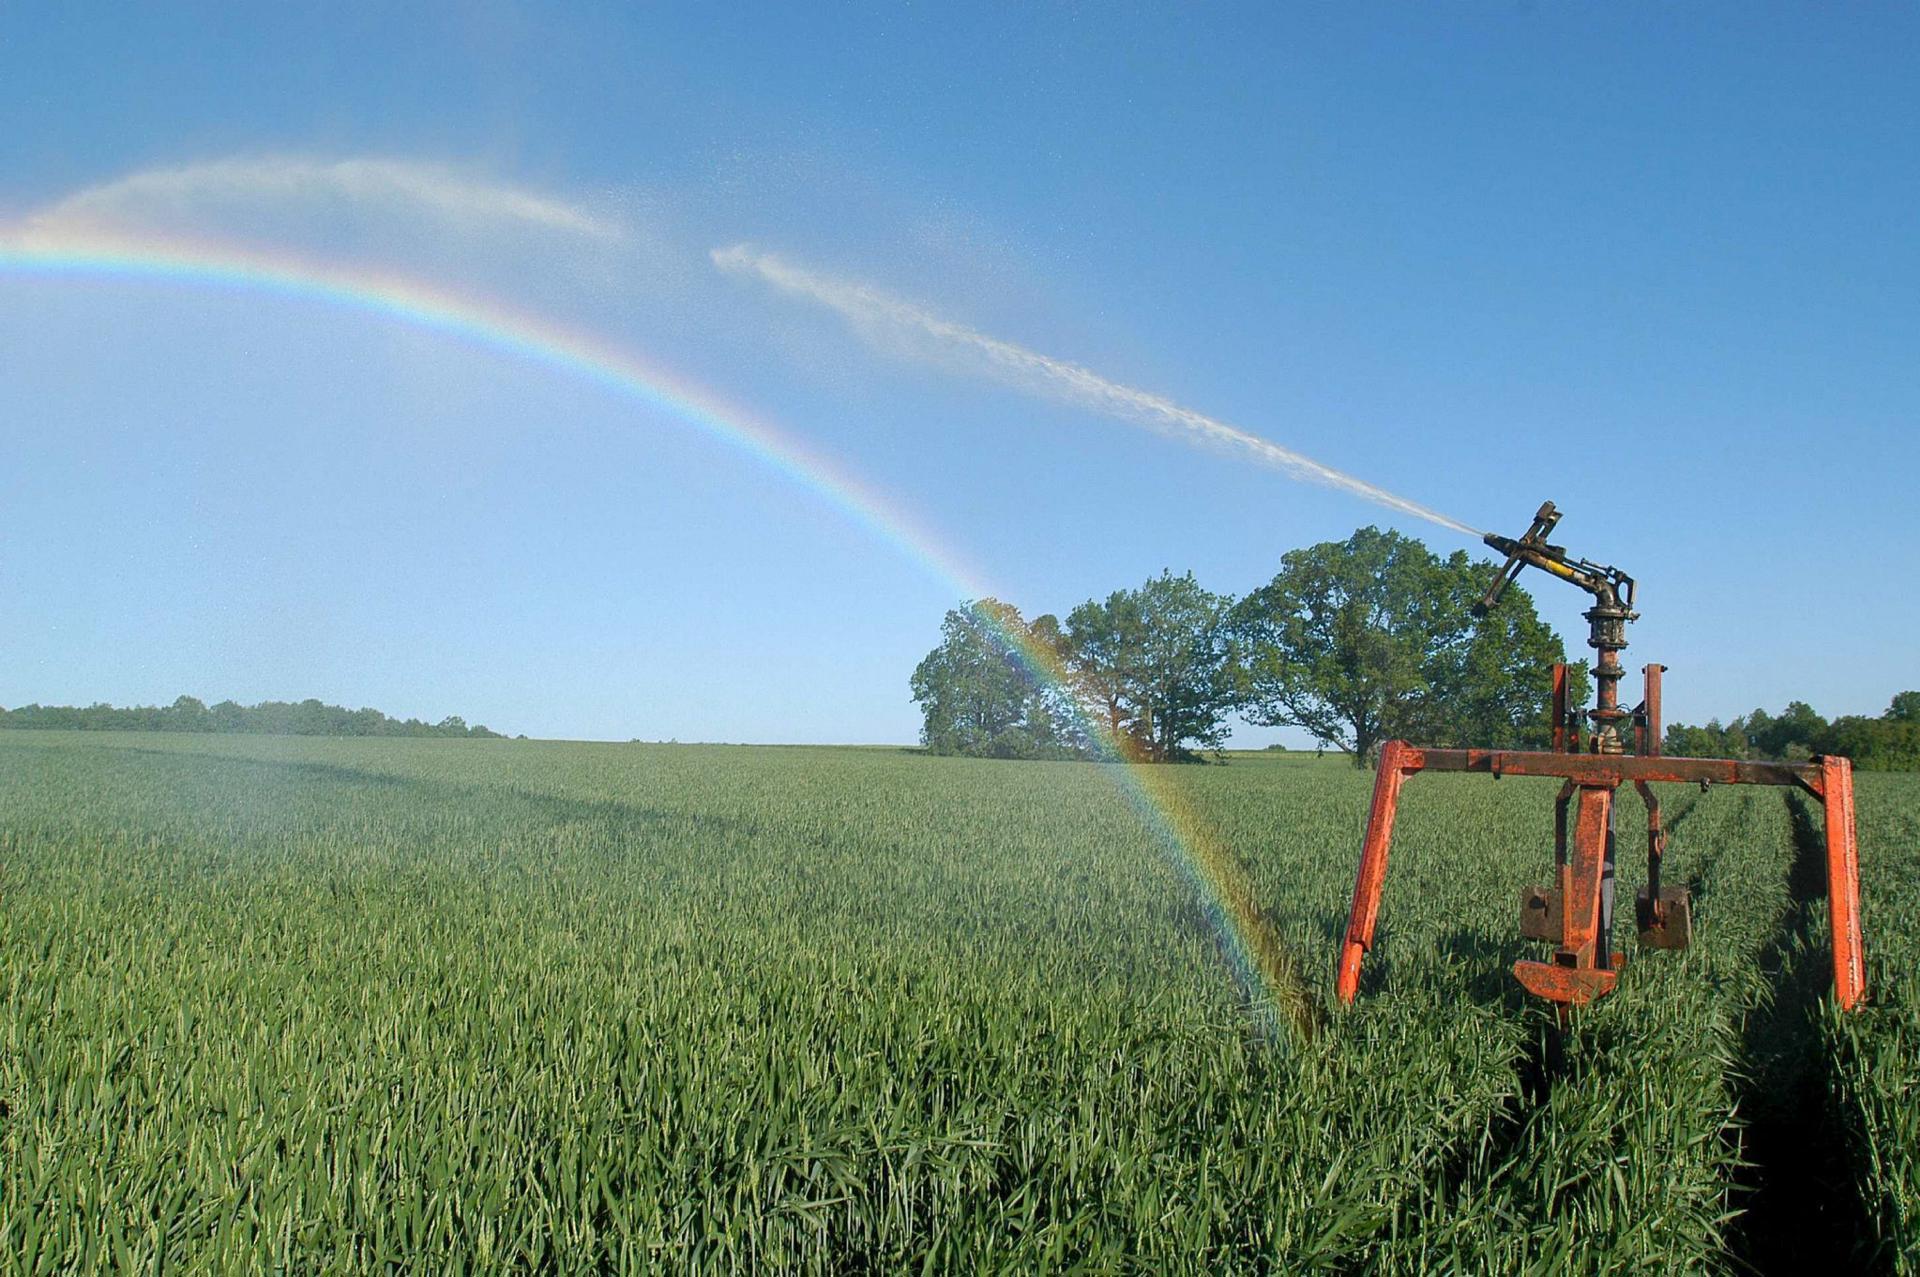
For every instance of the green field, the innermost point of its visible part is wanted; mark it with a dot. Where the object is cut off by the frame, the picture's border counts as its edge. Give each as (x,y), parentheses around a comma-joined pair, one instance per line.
(332,1005)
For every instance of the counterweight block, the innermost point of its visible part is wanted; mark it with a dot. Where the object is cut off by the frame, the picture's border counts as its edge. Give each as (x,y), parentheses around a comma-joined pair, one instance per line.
(1540,913)
(1670,926)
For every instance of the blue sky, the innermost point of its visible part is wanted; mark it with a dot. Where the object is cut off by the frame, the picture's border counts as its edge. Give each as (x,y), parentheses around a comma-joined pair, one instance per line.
(1659,265)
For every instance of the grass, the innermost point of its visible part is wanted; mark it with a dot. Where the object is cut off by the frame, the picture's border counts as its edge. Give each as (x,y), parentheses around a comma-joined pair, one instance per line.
(329,1005)
(1876,1054)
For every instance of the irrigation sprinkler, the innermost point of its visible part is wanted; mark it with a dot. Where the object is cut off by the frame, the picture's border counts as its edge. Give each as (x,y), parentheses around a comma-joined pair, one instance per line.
(1593,759)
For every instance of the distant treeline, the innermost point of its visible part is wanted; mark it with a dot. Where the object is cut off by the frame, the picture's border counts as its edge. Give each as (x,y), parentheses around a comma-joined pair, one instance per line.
(268,718)
(1889,743)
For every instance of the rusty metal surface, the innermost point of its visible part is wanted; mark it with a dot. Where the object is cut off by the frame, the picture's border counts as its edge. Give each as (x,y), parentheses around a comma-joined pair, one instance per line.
(1650,726)
(1540,913)
(1570,986)
(1843,884)
(1373,866)
(1611,769)
(1570,916)
(1656,836)
(1607,619)
(1580,876)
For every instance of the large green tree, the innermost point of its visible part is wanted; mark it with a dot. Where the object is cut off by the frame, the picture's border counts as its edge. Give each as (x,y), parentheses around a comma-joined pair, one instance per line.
(1362,640)
(1151,663)
(1490,681)
(982,692)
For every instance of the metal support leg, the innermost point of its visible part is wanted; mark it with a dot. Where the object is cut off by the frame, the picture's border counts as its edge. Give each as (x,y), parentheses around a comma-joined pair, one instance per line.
(1663,915)
(1843,883)
(1656,838)
(1603,940)
(1393,769)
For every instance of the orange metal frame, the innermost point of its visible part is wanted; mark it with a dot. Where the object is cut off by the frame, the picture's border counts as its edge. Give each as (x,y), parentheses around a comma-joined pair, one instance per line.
(1581,970)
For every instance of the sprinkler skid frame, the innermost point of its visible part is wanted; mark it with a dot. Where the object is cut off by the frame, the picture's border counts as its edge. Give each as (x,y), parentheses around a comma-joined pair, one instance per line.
(1593,761)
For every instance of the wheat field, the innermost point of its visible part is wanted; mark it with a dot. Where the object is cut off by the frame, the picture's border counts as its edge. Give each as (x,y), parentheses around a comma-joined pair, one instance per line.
(470,1006)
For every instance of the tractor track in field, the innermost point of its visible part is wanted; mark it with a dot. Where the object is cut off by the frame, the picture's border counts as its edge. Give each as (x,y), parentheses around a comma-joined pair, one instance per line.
(1800,1209)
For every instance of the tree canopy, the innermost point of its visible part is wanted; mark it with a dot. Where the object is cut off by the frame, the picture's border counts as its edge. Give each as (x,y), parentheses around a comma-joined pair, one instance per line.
(1363,640)
(983,692)
(1151,663)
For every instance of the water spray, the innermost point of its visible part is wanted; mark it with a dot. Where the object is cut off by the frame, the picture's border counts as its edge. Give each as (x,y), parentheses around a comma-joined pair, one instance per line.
(871,311)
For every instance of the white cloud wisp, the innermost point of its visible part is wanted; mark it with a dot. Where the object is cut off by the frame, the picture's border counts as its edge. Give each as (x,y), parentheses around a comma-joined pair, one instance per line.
(192,191)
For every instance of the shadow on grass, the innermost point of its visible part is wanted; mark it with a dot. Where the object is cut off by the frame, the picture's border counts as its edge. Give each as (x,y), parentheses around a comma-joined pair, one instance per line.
(1800,1209)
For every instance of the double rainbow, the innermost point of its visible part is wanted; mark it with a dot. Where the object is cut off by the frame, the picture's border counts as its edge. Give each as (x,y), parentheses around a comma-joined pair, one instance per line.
(1247,937)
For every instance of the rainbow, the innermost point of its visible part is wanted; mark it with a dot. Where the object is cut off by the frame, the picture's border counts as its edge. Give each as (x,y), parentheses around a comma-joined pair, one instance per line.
(1248,939)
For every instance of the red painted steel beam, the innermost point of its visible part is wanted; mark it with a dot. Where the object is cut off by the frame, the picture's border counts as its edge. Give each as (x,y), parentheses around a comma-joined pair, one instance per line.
(1580,916)
(1394,767)
(1843,883)
(1614,769)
